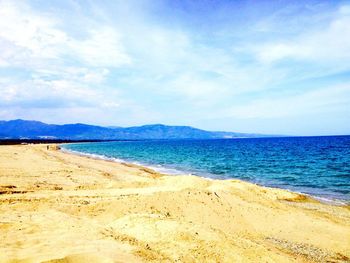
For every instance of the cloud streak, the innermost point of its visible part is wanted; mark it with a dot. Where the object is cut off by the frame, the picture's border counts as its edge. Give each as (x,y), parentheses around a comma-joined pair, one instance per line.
(329,44)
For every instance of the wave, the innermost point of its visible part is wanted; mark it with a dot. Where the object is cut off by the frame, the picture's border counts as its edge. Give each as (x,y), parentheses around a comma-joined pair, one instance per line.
(158,168)
(172,171)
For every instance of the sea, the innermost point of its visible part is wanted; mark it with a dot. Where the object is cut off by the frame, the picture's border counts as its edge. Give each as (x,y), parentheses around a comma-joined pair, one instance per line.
(316,166)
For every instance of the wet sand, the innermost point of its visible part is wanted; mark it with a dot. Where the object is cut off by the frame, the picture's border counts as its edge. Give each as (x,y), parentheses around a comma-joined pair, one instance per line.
(59,207)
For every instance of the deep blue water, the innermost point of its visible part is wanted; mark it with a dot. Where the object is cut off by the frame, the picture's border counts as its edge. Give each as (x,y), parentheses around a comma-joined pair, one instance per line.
(319,166)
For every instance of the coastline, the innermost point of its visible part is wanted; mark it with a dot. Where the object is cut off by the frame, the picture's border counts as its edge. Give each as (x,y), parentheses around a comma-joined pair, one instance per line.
(174,172)
(66,208)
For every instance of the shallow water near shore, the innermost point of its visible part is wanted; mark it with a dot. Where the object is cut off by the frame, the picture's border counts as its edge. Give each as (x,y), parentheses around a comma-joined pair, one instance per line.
(318,166)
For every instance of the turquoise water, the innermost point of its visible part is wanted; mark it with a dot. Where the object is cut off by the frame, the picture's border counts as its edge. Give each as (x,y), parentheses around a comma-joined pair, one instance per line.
(319,166)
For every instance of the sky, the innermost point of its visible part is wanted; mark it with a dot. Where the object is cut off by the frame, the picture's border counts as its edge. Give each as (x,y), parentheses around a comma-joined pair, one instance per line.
(273,67)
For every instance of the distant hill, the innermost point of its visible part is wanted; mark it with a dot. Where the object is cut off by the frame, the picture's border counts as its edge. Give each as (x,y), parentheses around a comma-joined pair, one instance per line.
(16,129)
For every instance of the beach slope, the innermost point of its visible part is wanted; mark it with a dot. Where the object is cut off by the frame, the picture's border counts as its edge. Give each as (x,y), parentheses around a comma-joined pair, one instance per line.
(58,207)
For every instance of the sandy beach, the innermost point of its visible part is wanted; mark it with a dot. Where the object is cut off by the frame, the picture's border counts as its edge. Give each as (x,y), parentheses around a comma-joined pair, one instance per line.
(59,207)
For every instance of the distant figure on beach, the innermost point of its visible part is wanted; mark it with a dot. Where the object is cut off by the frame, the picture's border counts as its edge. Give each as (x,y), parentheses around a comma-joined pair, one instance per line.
(47,147)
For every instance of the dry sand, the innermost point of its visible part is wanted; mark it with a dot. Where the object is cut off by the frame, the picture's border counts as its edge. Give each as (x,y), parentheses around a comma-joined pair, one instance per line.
(58,207)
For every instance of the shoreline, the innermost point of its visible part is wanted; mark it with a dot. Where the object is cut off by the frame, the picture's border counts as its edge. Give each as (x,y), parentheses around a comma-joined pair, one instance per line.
(60,207)
(325,200)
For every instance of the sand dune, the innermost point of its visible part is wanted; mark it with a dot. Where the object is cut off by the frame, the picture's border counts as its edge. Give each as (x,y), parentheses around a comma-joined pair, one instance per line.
(57,207)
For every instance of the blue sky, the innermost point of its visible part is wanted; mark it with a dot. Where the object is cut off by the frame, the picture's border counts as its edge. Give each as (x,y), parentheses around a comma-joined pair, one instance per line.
(278,67)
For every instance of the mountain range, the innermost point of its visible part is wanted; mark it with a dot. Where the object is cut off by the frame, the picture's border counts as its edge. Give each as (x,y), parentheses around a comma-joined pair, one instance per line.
(25,129)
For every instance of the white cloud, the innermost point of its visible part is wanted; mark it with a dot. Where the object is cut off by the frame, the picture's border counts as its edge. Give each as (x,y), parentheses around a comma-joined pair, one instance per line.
(55,94)
(325,100)
(327,44)
(85,75)
(198,90)
(26,36)
(34,40)
(102,48)
(36,43)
